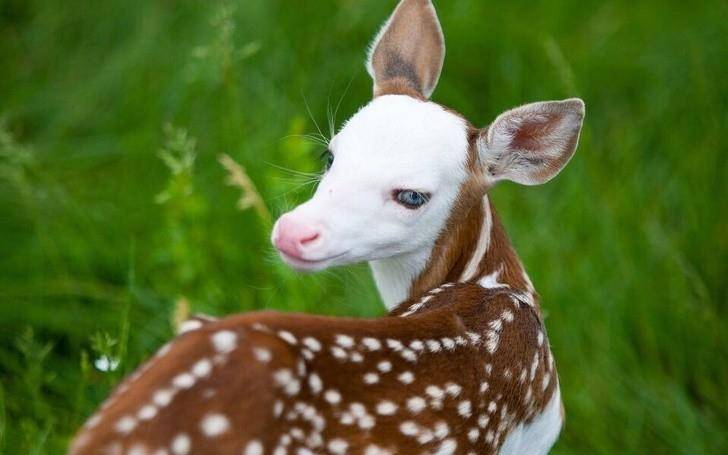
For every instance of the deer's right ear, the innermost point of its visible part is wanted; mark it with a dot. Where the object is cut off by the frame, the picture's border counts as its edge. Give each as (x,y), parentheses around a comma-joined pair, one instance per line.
(409,50)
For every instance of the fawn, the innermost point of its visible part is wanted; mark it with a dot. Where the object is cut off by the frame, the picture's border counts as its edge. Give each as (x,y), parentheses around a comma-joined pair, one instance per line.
(462,362)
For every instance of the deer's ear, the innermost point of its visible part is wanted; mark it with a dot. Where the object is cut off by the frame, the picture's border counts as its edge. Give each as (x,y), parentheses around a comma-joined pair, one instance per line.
(532,143)
(408,51)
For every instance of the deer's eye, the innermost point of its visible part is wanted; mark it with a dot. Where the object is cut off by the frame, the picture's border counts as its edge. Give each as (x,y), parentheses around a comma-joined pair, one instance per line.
(411,199)
(328,158)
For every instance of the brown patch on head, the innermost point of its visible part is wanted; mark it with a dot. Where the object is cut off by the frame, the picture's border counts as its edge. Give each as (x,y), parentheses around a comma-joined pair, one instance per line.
(458,239)
(409,52)
(451,252)
(398,86)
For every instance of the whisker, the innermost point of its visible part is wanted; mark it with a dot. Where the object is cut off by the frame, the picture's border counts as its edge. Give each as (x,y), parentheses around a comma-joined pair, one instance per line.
(310,114)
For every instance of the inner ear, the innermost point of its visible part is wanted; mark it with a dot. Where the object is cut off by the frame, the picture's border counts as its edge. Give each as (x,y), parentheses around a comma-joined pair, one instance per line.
(408,53)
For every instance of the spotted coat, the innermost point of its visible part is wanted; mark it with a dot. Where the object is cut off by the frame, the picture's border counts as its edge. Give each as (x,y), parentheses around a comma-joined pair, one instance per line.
(454,376)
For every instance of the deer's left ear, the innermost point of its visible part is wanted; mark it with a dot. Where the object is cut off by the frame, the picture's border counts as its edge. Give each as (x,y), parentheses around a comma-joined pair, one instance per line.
(409,50)
(532,143)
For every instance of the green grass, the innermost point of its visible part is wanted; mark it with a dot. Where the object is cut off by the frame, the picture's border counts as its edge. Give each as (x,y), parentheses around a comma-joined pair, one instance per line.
(114,207)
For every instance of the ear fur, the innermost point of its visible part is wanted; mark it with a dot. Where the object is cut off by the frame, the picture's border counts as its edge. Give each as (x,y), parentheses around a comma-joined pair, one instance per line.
(532,143)
(408,52)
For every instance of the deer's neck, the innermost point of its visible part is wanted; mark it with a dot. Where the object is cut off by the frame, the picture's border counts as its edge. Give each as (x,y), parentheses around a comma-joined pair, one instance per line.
(473,249)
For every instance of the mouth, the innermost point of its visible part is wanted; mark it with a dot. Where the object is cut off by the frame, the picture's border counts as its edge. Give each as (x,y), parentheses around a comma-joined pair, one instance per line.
(308,265)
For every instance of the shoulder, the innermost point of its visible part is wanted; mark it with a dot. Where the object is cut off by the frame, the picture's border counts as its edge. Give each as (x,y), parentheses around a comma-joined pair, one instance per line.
(471,297)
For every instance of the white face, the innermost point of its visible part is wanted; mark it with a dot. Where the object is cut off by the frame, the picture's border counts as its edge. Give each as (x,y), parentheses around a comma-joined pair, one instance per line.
(397,167)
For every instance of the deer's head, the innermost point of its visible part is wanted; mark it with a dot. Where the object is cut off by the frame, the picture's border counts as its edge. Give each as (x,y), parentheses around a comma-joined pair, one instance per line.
(398,168)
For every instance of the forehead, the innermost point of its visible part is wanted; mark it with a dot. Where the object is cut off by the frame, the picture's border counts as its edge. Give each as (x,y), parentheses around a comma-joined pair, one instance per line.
(402,133)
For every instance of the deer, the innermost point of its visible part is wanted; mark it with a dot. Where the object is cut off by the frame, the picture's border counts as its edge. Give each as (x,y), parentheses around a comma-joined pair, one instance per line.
(461,364)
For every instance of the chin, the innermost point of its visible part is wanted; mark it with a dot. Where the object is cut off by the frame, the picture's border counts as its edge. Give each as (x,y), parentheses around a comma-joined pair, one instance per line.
(304,265)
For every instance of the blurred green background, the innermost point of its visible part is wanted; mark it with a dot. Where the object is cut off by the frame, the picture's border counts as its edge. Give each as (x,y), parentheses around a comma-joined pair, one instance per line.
(116,218)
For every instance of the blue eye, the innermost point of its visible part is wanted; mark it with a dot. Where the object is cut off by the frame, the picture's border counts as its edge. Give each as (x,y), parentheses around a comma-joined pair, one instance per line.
(411,199)
(328,158)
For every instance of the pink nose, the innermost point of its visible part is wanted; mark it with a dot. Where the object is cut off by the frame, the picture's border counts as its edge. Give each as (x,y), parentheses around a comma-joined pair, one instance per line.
(293,236)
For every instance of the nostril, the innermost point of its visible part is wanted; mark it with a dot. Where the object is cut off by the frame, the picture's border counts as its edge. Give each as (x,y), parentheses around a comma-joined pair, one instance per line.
(310,238)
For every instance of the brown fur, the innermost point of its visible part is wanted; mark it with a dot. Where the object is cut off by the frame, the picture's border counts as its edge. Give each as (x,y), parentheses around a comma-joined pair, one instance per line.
(408,57)
(245,392)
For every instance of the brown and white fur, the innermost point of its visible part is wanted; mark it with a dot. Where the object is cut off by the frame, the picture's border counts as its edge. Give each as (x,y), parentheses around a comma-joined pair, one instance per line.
(460,365)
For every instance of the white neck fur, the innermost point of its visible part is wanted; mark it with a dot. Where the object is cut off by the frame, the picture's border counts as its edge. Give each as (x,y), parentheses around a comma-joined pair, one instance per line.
(394,276)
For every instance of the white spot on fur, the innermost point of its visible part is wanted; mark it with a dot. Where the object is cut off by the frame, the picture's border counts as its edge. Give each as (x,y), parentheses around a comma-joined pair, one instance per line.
(312,343)
(357,410)
(344,341)
(409,355)
(417,345)
(371,378)
(181,444)
(406,377)
(385,366)
(435,392)
(425,436)
(386,408)
(409,428)
(416,404)
(314,381)
(253,448)
(183,381)
(483,420)
(453,389)
(163,397)
(202,368)
(474,337)
(441,430)
(366,422)
(285,379)
(288,337)
(464,408)
(448,343)
(338,446)
(356,357)
(492,407)
(224,341)
(492,339)
(262,355)
(332,396)
(373,449)
(447,448)
(147,412)
(394,345)
(126,425)
(213,425)
(433,345)
(507,315)
(338,352)
(372,343)
(277,408)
